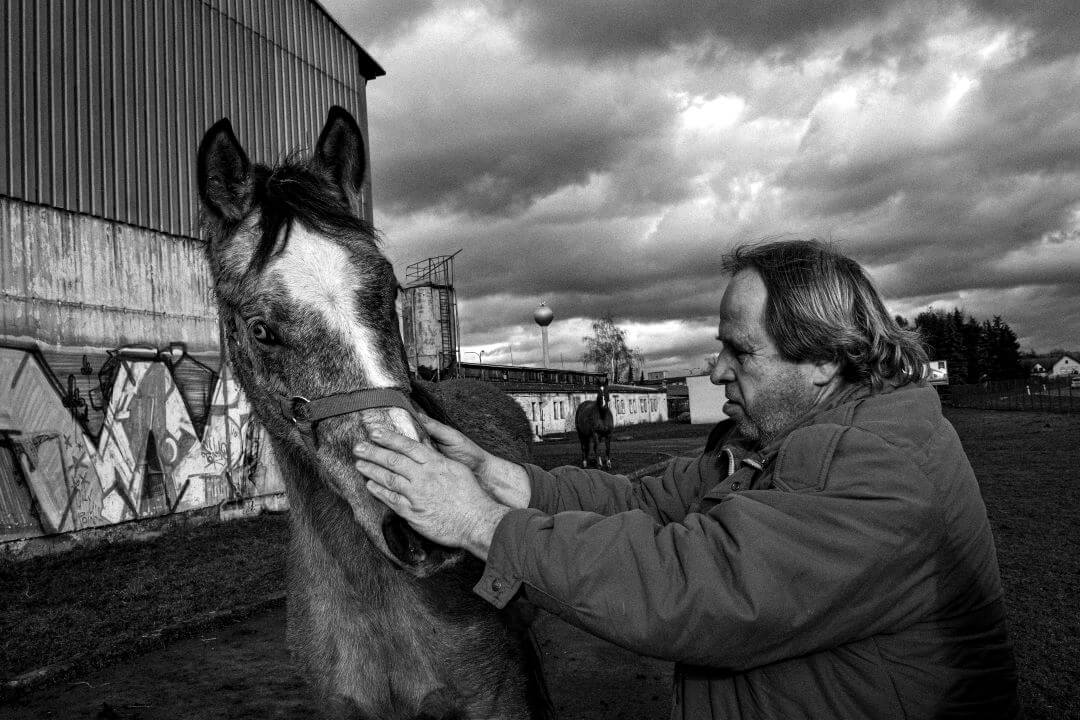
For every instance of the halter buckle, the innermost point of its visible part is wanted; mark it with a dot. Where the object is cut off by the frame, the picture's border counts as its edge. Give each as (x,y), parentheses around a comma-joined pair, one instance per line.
(299,408)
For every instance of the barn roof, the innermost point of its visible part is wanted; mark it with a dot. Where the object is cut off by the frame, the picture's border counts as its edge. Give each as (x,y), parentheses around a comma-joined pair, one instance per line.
(368,67)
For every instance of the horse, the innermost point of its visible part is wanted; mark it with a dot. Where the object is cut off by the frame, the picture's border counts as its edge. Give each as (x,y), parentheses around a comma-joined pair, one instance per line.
(594,422)
(384,622)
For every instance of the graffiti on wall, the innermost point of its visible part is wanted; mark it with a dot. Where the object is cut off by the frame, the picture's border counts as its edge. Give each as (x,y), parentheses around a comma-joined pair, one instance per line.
(148,459)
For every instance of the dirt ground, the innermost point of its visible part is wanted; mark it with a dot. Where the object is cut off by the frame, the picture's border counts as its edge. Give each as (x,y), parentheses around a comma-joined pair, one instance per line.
(242,672)
(1028,465)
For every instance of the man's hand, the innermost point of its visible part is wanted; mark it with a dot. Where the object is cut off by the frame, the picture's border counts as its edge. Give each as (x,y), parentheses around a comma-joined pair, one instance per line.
(455,445)
(505,481)
(438,496)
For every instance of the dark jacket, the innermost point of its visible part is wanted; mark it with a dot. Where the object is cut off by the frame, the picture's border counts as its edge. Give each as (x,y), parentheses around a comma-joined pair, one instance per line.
(846,571)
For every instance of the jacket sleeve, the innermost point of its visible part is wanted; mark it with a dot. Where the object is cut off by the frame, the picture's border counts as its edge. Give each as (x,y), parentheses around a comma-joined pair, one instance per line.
(839,549)
(664,498)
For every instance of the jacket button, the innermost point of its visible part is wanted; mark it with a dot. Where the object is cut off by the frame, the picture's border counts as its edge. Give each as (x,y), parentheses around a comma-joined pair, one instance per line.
(497,585)
(736,485)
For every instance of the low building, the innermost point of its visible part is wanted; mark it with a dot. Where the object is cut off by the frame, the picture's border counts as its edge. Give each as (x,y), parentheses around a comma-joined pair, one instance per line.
(1065,365)
(706,400)
(1046,366)
(550,397)
(678,399)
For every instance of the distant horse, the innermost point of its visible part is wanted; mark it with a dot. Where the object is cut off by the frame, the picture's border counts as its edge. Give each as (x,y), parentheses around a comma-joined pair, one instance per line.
(384,622)
(594,423)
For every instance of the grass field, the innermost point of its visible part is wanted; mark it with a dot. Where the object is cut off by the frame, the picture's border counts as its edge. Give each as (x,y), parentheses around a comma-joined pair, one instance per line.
(90,607)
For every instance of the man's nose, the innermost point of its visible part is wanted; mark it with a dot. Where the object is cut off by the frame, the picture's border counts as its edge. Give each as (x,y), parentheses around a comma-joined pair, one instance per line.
(722,372)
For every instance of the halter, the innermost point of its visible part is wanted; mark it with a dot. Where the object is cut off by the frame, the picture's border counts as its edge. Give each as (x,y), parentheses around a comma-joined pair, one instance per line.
(306,413)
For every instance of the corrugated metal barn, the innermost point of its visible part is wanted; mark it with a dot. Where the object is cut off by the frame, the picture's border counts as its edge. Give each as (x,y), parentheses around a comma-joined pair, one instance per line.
(103,104)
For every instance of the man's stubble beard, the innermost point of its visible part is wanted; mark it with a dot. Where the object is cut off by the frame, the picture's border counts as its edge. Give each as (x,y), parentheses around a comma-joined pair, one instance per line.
(776,411)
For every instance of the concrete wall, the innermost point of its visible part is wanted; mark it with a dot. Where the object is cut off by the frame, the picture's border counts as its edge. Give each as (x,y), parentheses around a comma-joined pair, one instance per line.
(706,400)
(72,280)
(552,412)
(148,459)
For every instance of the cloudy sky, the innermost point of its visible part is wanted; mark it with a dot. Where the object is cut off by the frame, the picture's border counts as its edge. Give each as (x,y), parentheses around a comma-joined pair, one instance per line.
(600,156)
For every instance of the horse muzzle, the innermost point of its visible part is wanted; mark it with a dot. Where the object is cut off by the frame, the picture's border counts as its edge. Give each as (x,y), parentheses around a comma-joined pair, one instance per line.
(329,428)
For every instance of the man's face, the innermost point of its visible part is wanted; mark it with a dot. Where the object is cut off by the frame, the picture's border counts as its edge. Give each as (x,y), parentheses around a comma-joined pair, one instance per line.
(765,391)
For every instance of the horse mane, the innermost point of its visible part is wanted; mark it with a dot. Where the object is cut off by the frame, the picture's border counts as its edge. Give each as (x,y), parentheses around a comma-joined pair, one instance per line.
(294,190)
(430,404)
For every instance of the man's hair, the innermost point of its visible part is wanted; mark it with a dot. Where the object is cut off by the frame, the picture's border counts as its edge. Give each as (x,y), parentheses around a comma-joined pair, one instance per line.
(820,305)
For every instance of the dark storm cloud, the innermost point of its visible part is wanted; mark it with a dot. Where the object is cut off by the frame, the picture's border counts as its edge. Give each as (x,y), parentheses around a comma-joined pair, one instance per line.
(601,155)
(374,23)
(631,27)
(477,126)
(488,169)
(1054,23)
(1001,177)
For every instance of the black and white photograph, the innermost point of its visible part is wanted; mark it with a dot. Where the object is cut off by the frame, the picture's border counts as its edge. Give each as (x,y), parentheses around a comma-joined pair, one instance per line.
(539,360)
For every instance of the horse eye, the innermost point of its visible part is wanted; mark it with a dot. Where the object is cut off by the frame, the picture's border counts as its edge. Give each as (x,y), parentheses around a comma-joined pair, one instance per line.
(262,333)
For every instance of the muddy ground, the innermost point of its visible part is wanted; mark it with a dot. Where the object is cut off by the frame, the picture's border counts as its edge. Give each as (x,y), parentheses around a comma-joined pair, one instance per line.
(242,672)
(1027,464)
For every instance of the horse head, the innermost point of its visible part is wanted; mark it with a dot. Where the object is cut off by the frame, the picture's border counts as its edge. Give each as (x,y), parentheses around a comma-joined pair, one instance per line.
(306,300)
(603,395)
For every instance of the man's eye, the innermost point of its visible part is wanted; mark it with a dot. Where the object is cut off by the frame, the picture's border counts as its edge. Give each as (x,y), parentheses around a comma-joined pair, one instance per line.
(262,333)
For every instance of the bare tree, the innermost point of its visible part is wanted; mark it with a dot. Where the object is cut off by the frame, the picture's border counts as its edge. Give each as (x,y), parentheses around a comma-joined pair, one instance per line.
(607,351)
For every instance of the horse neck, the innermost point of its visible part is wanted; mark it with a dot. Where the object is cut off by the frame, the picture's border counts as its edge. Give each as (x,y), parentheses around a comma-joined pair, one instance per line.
(319,517)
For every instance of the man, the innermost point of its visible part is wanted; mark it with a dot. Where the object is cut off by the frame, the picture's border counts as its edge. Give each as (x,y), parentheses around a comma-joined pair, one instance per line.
(833,560)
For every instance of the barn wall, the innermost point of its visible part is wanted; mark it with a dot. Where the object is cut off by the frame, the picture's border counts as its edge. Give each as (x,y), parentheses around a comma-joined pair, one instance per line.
(74,280)
(102,107)
(106,100)
(148,459)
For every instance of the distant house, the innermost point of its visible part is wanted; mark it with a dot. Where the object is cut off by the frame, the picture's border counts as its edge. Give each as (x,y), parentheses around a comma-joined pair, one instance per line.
(1037,366)
(1044,366)
(1066,365)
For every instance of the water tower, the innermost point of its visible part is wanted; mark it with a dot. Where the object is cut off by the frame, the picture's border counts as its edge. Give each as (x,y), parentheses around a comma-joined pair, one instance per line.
(543,317)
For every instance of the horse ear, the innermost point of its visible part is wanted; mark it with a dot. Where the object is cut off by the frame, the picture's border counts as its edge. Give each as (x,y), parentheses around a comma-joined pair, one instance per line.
(341,155)
(224,173)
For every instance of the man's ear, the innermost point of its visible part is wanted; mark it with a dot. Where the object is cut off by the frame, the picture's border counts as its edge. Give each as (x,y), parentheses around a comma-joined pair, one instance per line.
(824,372)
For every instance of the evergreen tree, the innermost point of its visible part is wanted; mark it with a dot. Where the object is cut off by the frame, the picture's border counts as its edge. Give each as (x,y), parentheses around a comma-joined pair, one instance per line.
(975,351)
(1004,350)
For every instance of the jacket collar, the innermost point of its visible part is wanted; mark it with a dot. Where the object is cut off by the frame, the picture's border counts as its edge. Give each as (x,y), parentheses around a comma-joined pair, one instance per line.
(737,453)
